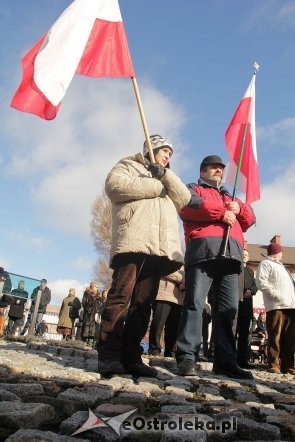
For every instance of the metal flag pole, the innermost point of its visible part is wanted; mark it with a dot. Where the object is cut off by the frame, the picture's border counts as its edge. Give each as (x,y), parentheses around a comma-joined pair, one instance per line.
(143,120)
(241,154)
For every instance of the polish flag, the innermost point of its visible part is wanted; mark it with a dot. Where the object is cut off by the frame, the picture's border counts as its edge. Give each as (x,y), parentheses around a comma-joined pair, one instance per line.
(89,39)
(240,138)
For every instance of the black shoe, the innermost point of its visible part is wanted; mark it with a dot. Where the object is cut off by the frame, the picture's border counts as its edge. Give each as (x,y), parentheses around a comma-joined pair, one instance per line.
(139,369)
(245,365)
(233,371)
(109,367)
(187,368)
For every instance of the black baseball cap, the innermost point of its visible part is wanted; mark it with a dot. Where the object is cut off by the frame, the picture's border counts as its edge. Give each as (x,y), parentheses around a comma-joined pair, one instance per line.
(211,159)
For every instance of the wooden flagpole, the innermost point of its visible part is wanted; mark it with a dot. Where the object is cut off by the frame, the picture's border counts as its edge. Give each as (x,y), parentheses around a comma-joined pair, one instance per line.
(143,120)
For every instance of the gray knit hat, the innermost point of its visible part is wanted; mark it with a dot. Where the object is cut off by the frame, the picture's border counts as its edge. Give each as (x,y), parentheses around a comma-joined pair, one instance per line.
(157,142)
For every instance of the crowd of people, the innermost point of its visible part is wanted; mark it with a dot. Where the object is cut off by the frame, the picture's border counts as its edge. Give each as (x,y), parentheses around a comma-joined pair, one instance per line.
(177,297)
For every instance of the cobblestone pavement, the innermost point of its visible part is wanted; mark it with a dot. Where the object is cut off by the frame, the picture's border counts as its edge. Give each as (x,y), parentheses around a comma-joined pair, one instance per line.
(47,392)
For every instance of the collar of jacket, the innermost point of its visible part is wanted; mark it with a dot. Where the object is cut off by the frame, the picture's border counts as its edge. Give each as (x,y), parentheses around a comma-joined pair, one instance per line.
(212,183)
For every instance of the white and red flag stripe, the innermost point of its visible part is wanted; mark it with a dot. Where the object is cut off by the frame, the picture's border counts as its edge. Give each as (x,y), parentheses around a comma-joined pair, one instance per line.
(89,39)
(240,138)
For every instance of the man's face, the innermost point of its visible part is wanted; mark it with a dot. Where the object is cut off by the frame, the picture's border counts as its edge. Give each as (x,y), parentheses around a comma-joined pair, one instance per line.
(163,156)
(213,172)
(21,285)
(42,285)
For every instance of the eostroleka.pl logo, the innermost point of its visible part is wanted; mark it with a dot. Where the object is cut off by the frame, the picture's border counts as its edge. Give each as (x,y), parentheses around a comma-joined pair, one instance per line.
(159,423)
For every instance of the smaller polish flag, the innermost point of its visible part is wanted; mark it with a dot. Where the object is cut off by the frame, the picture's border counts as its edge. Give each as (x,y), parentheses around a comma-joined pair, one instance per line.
(88,39)
(240,138)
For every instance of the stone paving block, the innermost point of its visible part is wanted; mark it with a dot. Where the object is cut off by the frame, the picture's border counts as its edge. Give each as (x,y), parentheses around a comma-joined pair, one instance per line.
(172,399)
(245,396)
(112,409)
(15,415)
(179,409)
(136,399)
(23,390)
(6,395)
(178,390)
(41,436)
(73,400)
(208,389)
(286,422)
(175,436)
(179,381)
(249,429)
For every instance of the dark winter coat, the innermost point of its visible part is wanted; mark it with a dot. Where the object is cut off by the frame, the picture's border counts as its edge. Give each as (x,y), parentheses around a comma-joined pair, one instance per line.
(92,305)
(44,300)
(246,305)
(16,310)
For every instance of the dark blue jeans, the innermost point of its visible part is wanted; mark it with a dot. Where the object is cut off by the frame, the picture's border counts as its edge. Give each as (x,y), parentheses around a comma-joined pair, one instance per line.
(223,274)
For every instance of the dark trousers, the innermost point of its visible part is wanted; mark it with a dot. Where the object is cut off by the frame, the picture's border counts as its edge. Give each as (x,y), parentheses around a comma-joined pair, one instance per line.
(199,278)
(127,311)
(244,338)
(165,314)
(280,326)
(14,324)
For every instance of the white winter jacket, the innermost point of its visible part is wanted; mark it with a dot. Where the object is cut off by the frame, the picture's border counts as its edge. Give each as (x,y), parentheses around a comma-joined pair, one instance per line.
(276,284)
(144,209)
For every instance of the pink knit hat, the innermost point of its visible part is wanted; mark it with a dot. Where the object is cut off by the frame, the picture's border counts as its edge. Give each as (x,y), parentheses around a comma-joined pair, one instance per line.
(274,248)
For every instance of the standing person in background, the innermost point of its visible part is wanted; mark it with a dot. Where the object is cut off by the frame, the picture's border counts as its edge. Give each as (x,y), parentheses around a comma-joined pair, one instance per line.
(69,311)
(146,246)
(92,304)
(277,286)
(16,300)
(245,313)
(166,314)
(45,299)
(206,220)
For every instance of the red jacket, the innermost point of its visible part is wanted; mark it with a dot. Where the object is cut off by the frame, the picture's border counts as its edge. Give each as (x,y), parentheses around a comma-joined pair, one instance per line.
(204,227)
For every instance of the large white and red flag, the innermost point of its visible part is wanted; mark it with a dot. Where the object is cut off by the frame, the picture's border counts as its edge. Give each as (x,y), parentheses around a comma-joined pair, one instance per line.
(89,39)
(240,138)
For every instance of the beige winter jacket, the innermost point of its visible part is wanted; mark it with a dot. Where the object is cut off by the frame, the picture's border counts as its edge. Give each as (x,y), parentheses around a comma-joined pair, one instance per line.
(144,209)
(171,288)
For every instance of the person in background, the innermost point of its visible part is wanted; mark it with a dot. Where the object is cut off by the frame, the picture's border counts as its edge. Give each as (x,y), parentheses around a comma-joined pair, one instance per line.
(245,313)
(260,326)
(5,287)
(145,198)
(209,216)
(45,299)
(68,313)
(277,286)
(16,300)
(166,314)
(92,304)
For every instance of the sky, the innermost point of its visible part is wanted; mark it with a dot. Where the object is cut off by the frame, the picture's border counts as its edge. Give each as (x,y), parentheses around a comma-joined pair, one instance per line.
(193,62)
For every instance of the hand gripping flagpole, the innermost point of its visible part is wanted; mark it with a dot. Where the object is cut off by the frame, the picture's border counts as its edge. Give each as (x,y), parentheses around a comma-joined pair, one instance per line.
(241,154)
(143,120)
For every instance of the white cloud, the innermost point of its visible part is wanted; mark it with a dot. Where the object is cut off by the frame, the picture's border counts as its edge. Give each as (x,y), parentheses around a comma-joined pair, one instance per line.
(287,13)
(27,240)
(4,263)
(275,211)
(282,132)
(82,263)
(60,289)
(66,161)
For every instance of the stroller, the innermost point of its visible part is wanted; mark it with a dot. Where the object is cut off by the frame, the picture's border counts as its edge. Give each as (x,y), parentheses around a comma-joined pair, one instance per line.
(258,348)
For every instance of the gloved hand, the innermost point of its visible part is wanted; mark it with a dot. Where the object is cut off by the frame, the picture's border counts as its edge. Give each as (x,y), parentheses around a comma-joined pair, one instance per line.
(156,170)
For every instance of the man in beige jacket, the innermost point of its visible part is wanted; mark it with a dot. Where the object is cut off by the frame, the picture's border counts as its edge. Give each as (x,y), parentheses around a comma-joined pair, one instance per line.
(145,199)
